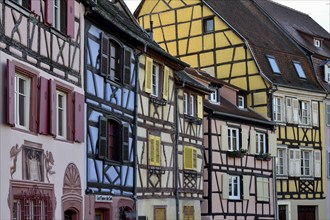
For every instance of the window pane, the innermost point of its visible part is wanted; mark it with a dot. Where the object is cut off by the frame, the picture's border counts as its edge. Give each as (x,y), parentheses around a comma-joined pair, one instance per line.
(299,70)
(273,65)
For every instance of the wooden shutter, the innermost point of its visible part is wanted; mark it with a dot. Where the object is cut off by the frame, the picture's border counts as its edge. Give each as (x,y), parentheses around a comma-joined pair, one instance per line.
(317,163)
(188,158)
(148,75)
(52,106)
(246,187)
(165,83)
(194,159)
(200,107)
(225,186)
(43,106)
(34,118)
(104,63)
(260,191)
(272,144)
(79,117)
(157,151)
(289,110)
(127,67)
(49,11)
(125,142)
(295,105)
(103,132)
(35,7)
(151,150)
(292,162)
(315,114)
(245,137)
(253,146)
(70,17)
(224,137)
(10,93)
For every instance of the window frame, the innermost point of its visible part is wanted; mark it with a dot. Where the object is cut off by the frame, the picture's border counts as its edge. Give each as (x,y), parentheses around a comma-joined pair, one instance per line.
(26,95)
(193,153)
(155,82)
(278,109)
(303,166)
(231,194)
(192,105)
(206,24)
(304,112)
(65,114)
(284,159)
(214,96)
(231,138)
(317,42)
(261,149)
(185,103)
(241,101)
(273,64)
(299,69)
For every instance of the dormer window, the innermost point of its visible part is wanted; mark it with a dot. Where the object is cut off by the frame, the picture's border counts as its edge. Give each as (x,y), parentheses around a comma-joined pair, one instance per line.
(299,69)
(273,64)
(214,96)
(327,73)
(241,101)
(317,42)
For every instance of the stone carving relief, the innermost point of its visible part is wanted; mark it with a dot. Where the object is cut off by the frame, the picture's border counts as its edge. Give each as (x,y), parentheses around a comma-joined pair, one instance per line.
(14,151)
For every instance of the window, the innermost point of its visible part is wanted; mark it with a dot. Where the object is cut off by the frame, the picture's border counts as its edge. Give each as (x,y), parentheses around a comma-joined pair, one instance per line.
(261,143)
(233,139)
(214,96)
(278,109)
(241,101)
(328,114)
(304,112)
(273,64)
(188,213)
(317,42)
(22,101)
(234,187)
(208,25)
(262,189)
(61,114)
(299,69)
(154,150)
(160,212)
(185,103)
(327,72)
(190,158)
(60,14)
(115,61)
(113,140)
(155,79)
(192,105)
(281,161)
(306,163)
(33,6)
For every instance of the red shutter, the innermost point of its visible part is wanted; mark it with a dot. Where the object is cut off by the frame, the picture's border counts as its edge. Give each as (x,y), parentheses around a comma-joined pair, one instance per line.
(49,11)
(34,105)
(10,93)
(79,119)
(70,18)
(52,107)
(35,6)
(43,106)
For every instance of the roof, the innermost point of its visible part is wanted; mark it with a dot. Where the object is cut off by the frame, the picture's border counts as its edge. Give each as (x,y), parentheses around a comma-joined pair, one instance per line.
(300,26)
(125,23)
(184,77)
(264,39)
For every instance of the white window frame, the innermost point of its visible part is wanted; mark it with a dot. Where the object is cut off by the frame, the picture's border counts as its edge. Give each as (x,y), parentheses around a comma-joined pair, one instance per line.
(155,80)
(241,101)
(26,94)
(284,160)
(231,137)
(64,112)
(304,111)
(273,64)
(261,140)
(214,96)
(303,163)
(192,105)
(57,14)
(317,42)
(299,69)
(234,180)
(327,111)
(278,114)
(185,103)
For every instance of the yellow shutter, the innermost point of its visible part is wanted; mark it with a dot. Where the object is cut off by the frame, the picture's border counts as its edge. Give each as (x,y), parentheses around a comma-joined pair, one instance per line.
(148,75)
(152,150)
(165,84)
(157,151)
(194,164)
(200,107)
(188,155)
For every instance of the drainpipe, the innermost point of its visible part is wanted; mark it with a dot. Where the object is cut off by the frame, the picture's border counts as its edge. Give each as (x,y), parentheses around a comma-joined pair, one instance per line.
(176,155)
(275,189)
(209,166)
(136,80)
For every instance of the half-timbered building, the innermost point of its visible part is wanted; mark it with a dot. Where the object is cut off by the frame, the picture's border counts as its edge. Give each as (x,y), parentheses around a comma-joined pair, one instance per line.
(42,125)
(235,41)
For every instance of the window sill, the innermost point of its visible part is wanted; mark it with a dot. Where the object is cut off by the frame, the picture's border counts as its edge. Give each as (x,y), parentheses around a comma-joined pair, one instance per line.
(193,120)
(24,130)
(306,178)
(237,153)
(193,172)
(265,156)
(280,123)
(281,176)
(304,126)
(156,170)
(157,100)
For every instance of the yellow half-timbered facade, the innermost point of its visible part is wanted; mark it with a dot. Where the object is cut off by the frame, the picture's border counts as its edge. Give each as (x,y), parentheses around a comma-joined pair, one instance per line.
(238,43)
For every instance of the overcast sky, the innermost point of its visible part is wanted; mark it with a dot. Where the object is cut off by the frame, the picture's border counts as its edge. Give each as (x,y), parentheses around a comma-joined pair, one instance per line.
(319,10)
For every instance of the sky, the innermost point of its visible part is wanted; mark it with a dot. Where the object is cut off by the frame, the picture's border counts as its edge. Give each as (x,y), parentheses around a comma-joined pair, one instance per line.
(319,10)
